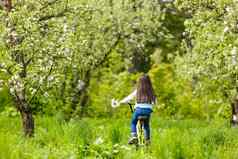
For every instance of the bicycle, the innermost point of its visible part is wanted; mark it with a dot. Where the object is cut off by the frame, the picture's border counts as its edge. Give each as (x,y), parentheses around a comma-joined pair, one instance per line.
(140,131)
(141,120)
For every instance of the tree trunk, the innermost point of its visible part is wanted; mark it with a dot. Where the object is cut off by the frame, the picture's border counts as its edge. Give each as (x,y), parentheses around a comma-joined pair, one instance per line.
(27,123)
(24,108)
(19,93)
(76,91)
(234,118)
(63,86)
(7,4)
(84,95)
(80,95)
(140,63)
(26,115)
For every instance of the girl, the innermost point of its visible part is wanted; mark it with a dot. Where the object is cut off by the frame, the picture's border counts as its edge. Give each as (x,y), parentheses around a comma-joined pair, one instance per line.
(145,98)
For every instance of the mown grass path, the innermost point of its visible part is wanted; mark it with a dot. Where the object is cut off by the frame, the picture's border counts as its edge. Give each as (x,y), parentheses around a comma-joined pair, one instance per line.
(107,138)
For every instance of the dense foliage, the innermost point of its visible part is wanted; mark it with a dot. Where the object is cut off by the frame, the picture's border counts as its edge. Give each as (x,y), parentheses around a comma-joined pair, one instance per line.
(70,58)
(63,61)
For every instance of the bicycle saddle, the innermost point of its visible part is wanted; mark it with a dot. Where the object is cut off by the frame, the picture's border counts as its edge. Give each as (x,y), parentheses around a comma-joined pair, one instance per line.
(141,117)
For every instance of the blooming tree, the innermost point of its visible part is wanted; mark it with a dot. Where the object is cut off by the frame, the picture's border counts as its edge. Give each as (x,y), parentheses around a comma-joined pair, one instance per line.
(211,46)
(30,48)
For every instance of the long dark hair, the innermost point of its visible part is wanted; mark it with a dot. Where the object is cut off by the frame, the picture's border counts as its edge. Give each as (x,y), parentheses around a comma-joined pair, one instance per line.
(145,92)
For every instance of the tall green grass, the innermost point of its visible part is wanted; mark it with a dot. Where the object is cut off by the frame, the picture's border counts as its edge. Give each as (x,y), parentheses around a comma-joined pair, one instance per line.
(107,138)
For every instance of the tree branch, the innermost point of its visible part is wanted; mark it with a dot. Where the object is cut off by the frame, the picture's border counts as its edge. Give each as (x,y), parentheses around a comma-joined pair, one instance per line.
(7,69)
(108,52)
(49,4)
(39,86)
(58,15)
(7,5)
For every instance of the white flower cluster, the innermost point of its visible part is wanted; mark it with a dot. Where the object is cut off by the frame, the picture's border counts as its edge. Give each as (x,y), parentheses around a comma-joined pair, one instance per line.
(1,84)
(46,94)
(234,56)
(32,90)
(16,86)
(50,78)
(80,85)
(3,67)
(99,141)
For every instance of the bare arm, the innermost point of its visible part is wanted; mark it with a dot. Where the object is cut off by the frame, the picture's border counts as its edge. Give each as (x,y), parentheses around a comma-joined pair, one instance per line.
(128,98)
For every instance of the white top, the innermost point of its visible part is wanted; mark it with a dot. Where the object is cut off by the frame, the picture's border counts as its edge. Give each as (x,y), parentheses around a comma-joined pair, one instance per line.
(138,105)
(234,118)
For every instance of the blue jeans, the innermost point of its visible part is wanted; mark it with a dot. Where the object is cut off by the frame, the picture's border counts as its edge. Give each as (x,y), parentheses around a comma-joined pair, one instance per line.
(146,126)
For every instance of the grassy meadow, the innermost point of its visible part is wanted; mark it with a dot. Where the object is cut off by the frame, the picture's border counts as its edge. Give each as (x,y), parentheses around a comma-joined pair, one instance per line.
(107,138)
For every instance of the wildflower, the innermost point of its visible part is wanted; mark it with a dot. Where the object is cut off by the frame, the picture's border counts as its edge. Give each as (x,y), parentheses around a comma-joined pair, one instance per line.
(98,141)
(125,147)
(50,78)
(115,151)
(234,55)
(46,94)
(226,29)
(80,85)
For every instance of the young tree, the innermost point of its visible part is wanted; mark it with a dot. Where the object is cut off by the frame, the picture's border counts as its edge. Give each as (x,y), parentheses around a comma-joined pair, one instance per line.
(30,47)
(92,37)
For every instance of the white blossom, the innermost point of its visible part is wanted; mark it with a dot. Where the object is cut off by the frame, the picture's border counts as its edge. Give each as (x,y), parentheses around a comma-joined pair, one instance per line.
(12,91)
(80,85)
(50,78)
(226,29)
(32,90)
(98,141)
(46,94)
(234,55)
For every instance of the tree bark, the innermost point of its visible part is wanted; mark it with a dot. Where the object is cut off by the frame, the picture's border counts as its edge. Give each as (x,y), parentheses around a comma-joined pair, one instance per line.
(26,114)
(19,95)
(76,92)
(84,95)
(80,95)
(234,118)
(27,123)
(7,4)
(63,86)
(140,63)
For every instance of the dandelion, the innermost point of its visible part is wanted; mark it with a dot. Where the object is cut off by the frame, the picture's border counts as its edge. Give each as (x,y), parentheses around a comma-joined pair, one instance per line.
(116,145)
(46,94)
(98,141)
(3,65)
(115,151)
(226,29)
(50,78)
(125,147)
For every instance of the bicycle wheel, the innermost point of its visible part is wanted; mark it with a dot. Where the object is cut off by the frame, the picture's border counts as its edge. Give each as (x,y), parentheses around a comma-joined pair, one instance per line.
(140,132)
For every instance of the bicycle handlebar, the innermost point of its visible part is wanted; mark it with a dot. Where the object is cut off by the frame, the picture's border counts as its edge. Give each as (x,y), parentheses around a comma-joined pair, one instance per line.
(131,107)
